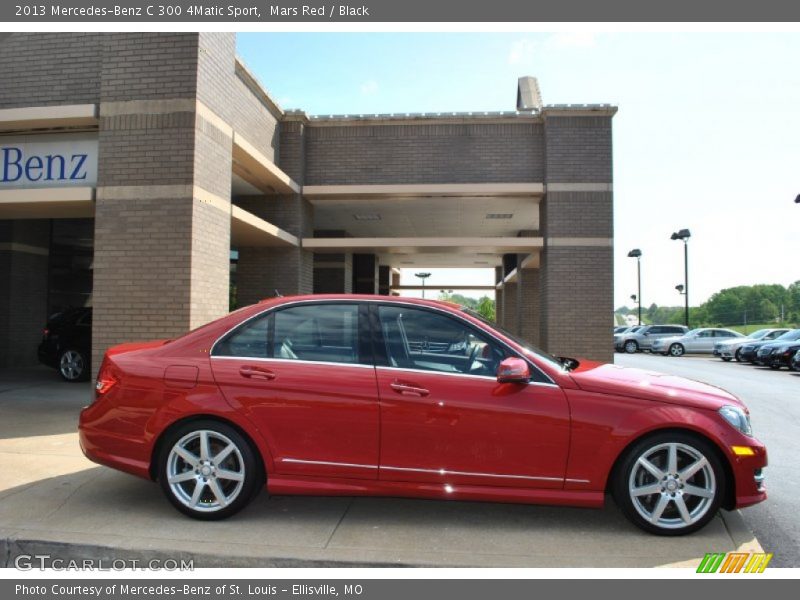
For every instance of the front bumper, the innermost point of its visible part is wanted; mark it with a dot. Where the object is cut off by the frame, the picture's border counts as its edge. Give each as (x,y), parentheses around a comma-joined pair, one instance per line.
(749,476)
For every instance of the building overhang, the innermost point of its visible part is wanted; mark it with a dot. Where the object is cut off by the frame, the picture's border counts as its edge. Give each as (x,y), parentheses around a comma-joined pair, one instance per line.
(249,230)
(48,117)
(255,168)
(47,203)
(414,190)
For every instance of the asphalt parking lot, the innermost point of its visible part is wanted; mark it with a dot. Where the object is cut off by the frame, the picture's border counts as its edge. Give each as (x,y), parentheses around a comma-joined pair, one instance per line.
(774,401)
(55,501)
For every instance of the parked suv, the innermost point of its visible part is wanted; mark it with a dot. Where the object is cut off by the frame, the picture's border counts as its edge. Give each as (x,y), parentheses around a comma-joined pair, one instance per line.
(67,343)
(643,338)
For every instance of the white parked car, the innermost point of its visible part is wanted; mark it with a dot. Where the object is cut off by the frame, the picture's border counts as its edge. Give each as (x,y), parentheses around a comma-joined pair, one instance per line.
(699,340)
(728,349)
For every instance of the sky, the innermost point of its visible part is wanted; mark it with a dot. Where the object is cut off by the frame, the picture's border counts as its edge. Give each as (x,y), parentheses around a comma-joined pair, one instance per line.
(707,136)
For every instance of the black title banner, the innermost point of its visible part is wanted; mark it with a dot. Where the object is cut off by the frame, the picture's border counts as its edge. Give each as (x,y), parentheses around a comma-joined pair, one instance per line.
(370,11)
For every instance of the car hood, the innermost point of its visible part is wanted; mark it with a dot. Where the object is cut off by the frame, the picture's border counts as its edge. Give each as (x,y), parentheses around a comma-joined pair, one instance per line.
(651,385)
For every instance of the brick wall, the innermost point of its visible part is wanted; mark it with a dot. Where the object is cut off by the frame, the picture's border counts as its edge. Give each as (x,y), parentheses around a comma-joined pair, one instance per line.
(45,69)
(255,121)
(414,153)
(578,149)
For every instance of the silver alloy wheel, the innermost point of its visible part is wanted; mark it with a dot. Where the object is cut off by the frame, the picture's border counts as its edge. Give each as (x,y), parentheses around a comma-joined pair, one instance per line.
(631,347)
(676,350)
(672,485)
(71,365)
(205,470)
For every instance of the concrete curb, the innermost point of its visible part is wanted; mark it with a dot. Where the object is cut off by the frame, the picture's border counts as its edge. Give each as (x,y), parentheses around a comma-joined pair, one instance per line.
(12,548)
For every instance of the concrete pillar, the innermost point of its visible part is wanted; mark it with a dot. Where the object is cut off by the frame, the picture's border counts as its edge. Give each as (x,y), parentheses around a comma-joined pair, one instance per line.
(498,296)
(576,218)
(395,281)
(24,249)
(365,274)
(384,278)
(162,217)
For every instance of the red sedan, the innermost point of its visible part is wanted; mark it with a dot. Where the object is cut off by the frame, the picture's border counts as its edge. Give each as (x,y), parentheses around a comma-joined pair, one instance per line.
(369,395)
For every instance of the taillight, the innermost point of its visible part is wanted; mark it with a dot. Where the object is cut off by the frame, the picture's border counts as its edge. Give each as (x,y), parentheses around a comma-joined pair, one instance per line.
(105,380)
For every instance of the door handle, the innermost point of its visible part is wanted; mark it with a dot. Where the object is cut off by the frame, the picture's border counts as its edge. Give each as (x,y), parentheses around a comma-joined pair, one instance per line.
(407,389)
(256,373)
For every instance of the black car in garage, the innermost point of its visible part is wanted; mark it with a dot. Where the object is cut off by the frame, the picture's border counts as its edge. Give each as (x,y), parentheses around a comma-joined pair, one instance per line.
(67,343)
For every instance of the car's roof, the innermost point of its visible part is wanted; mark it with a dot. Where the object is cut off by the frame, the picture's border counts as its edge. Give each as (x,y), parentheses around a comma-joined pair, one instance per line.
(362,297)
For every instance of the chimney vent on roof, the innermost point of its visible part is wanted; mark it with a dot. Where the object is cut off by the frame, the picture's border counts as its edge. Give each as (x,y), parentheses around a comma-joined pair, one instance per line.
(529,98)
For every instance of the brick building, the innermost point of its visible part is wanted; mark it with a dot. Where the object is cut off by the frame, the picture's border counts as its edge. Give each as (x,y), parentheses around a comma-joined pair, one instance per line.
(135,165)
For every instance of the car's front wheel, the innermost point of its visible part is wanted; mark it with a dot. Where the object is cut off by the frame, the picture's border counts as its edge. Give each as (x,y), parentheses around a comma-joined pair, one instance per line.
(208,470)
(670,484)
(677,350)
(73,365)
(738,355)
(631,347)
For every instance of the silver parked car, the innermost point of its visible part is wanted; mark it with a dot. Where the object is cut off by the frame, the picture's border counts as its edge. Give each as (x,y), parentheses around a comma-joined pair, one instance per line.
(643,338)
(728,349)
(697,340)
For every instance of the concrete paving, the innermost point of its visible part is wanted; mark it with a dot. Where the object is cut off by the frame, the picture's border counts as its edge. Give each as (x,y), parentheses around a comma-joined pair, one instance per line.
(55,501)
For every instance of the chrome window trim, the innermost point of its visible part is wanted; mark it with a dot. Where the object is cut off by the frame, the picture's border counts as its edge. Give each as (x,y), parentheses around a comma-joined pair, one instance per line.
(383,303)
(296,361)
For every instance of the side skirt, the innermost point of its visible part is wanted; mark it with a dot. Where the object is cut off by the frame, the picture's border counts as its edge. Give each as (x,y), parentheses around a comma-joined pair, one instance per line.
(295,485)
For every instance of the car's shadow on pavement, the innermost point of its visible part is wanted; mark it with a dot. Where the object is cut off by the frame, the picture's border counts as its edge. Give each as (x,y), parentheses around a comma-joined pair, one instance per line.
(99,511)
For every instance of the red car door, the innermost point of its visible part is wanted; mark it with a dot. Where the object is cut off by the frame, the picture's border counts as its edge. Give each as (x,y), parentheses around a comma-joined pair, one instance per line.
(302,376)
(446,419)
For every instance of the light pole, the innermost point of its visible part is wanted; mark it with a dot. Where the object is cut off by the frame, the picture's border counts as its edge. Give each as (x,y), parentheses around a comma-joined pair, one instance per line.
(637,254)
(684,234)
(423,277)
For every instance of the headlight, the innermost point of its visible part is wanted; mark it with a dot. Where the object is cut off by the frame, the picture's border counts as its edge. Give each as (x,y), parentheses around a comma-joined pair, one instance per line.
(737,418)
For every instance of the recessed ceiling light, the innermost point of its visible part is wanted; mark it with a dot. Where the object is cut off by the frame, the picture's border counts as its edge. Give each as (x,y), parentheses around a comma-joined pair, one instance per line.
(499,215)
(367,217)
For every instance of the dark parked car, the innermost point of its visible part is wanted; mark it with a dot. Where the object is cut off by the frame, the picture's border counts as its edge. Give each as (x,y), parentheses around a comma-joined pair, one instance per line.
(749,351)
(67,343)
(796,362)
(782,355)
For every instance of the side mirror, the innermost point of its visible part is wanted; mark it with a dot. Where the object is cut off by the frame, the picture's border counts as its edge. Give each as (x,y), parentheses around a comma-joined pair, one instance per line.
(513,370)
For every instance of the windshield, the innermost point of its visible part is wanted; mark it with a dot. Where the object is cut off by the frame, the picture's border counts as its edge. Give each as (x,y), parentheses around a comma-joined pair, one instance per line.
(757,335)
(524,344)
(789,336)
(693,331)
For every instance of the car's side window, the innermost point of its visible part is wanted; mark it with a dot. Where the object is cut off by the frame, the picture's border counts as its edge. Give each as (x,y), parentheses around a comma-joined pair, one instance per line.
(316,332)
(655,330)
(247,341)
(312,332)
(705,334)
(721,333)
(429,341)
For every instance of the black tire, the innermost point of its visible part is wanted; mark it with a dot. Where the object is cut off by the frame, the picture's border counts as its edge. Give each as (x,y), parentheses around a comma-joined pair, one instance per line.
(631,347)
(738,355)
(726,358)
(775,366)
(73,365)
(673,524)
(241,461)
(677,350)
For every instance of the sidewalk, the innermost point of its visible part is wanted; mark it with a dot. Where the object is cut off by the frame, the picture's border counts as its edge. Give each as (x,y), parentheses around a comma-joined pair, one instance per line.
(54,501)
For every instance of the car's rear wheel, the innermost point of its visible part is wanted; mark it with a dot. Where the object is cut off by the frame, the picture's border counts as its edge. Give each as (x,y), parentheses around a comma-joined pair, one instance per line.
(677,350)
(73,365)
(726,358)
(738,355)
(208,470)
(670,484)
(631,347)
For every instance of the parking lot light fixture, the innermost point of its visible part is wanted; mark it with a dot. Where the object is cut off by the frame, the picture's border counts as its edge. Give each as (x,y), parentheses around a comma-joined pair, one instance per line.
(684,235)
(423,277)
(637,254)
